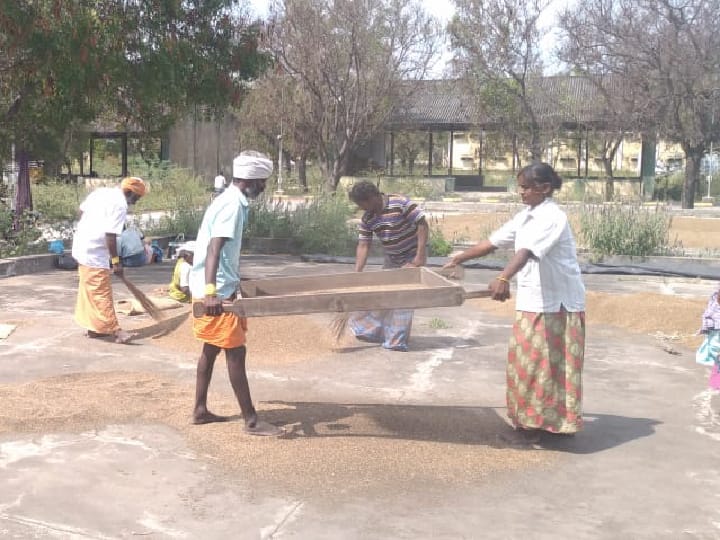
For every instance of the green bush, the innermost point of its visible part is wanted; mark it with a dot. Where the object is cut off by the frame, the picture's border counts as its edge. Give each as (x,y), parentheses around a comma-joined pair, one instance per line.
(269,219)
(57,201)
(184,222)
(322,225)
(177,192)
(631,230)
(172,187)
(319,226)
(25,240)
(438,245)
(173,190)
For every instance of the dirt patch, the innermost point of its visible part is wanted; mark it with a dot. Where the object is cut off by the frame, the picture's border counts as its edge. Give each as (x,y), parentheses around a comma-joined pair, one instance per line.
(690,232)
(694,232)
(469,227)
(327,447)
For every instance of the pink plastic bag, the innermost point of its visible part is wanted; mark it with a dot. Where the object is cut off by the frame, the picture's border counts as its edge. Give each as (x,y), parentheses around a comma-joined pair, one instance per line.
(715,377)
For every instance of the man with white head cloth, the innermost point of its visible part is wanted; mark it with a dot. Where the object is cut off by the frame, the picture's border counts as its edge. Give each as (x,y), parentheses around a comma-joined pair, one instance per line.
(215,278)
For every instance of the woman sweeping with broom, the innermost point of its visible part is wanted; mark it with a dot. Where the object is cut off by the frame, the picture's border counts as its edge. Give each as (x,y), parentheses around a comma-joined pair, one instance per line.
(547,346)
(102,217)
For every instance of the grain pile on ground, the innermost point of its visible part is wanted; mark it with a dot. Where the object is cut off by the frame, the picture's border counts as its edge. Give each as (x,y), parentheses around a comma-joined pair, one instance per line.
(644,313)
(271,340)
(328,446)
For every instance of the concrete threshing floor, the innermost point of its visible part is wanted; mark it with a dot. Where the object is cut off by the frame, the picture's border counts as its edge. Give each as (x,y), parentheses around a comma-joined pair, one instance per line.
(95,440)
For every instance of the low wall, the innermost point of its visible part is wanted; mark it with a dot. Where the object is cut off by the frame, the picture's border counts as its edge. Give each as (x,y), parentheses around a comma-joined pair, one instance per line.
(27,264)
(579,189)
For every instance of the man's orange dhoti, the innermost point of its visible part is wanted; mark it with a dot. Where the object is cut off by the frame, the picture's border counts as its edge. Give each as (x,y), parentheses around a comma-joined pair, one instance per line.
(226,331)
(94,309)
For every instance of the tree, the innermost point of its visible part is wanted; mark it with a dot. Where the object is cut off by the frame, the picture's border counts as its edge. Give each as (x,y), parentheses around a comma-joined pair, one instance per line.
(65,62)
(277,100)
(351,58)
(668,53)
(607,111)
(408,146)
(496,51)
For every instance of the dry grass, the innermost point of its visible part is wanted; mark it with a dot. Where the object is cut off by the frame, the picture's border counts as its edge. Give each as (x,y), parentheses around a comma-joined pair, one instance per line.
(690,232)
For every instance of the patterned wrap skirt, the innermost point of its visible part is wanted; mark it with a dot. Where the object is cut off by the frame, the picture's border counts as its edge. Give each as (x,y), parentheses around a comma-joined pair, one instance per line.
(544,371)
(389,327)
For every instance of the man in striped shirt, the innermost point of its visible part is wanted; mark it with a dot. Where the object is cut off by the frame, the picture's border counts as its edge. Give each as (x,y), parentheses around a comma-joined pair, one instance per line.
(401,227)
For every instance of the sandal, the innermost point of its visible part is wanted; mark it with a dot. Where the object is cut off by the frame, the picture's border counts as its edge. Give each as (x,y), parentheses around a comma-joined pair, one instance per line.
(96,335)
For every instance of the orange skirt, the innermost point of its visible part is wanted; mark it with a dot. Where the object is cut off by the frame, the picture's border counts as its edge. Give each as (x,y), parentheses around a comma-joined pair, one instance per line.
(226,331)
(94,309)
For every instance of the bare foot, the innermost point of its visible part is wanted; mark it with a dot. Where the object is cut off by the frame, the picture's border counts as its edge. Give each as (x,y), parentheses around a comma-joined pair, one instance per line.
(121,336)
(264,429)
(208,418)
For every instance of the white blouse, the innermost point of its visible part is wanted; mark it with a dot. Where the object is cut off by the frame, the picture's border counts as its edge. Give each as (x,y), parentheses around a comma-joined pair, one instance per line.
(551,278)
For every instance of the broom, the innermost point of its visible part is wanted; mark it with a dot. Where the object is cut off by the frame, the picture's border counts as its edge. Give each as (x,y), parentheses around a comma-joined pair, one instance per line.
(147,304)
(338,326)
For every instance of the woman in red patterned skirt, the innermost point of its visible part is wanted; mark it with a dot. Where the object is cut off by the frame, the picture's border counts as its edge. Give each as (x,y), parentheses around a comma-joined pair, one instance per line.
(547,346)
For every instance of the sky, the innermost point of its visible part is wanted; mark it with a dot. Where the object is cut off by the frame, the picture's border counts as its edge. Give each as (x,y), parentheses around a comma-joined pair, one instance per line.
(444,9)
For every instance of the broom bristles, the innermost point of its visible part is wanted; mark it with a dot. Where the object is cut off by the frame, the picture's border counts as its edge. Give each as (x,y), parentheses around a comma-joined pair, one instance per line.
(147,304)
(339,325)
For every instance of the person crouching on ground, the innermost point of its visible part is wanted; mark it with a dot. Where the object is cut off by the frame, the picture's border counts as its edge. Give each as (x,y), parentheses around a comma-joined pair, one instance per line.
(547,345)
(215,278)
(179,288)
(131,247)
(95,248)
(403,231)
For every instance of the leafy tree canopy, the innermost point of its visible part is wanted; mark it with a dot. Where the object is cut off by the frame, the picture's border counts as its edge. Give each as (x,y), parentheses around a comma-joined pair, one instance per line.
(63,63)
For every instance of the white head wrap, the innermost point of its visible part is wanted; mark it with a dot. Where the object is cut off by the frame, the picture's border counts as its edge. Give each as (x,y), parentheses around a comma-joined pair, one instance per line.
(251,165)
(219,181)
(188,246)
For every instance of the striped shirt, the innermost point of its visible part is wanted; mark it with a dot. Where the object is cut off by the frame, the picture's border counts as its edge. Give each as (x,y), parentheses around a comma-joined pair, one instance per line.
(396,228)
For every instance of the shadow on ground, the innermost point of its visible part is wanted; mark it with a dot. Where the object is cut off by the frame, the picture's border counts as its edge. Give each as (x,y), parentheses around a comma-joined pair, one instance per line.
(448,424)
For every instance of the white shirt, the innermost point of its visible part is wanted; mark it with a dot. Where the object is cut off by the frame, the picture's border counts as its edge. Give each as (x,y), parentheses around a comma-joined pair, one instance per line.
(103,211)
(185,268)
(551,278)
